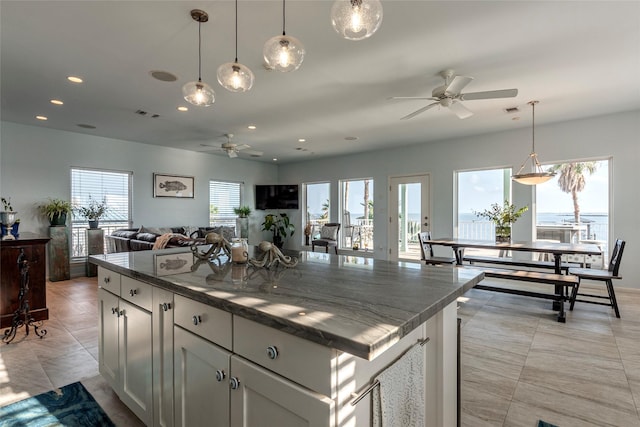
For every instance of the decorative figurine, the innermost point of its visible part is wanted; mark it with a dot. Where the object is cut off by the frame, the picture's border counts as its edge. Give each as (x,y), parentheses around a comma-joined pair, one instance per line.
(271,256)
(218,245)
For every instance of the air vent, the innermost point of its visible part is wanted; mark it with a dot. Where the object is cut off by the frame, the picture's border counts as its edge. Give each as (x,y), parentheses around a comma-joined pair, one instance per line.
(141,112)
(511,110)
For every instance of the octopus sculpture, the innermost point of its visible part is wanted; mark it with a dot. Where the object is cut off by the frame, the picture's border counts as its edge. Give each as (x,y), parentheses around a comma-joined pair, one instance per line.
(218,246)
(270,256)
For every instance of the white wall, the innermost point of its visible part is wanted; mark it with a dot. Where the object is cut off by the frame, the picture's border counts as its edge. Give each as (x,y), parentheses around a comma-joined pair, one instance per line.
(35,164)
(613,136)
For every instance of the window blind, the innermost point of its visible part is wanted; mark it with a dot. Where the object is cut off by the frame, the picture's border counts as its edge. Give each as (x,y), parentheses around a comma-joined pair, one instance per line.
(224,196)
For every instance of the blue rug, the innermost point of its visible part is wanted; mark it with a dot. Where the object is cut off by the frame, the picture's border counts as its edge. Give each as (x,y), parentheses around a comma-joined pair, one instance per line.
(72,405)
(545,424)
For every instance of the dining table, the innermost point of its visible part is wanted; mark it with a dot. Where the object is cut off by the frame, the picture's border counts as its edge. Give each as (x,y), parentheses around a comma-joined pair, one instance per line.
(557,249)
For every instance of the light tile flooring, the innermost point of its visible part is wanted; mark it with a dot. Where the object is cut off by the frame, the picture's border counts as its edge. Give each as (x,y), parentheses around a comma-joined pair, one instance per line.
(518,364)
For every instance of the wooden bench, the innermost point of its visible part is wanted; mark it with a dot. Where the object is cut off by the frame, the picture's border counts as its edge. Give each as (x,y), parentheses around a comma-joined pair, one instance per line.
(561,282)
(565,266)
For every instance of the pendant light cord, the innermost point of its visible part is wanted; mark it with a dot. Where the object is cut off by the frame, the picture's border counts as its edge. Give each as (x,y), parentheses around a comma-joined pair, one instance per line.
(283,18)
(533,126)
(236,30)
(199,51)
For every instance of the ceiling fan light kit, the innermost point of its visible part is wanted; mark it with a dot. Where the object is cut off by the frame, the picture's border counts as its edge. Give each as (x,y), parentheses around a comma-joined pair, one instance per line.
(537,174)
(199,93)
(356,19)
(234,76)
(283,53)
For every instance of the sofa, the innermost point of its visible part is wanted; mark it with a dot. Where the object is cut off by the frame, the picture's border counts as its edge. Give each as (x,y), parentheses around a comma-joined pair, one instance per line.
(144,238)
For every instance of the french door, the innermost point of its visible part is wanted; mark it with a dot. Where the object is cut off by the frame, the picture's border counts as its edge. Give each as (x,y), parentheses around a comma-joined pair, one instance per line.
(409,211)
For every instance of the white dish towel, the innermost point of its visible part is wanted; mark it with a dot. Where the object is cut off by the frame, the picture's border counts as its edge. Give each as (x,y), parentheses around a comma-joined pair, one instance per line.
(399,399)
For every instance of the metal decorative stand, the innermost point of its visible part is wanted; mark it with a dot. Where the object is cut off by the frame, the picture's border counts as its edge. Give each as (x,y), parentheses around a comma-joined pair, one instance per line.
(22,317)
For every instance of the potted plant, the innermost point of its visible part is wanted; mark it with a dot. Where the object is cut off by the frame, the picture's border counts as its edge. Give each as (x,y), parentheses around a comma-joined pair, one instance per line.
(503,217)
(280,226)
(93,212)
(242,223)
(56,210)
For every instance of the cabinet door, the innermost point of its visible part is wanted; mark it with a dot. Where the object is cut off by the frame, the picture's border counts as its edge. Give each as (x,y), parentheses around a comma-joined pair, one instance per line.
(162,315)
(264,399)
(108,319)
(201,375)
(136,360)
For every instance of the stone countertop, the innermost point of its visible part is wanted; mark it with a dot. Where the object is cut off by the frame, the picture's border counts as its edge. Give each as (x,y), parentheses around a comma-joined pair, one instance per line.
(358,305)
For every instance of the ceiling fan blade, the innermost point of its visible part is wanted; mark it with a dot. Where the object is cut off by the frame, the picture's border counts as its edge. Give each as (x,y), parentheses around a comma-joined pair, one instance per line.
(253,153)
(232,154)
(457,84)
(242,147)
(460,110)
(490,94)
(414,97)
(420,111)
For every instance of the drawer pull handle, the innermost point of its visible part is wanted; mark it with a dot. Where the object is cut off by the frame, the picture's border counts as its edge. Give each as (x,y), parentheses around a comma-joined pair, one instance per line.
(166,306)
(107,279)
(272,352)
(197,320)
(121,313)
(220,375)
(133,292)
(114,310)
(234,383)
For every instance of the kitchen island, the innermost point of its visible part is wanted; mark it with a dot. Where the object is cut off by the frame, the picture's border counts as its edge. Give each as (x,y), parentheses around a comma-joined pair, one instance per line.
(189,342)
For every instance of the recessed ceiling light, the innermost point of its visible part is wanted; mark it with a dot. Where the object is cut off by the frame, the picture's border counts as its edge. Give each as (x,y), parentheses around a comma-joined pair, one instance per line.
(252,127)
(275,159)
(163,76)
(74,79)
(183,108)
(302,140)
(56,102)
(42,118)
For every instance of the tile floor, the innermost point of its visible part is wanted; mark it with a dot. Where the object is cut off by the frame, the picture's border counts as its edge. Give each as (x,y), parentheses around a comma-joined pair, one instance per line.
(518,364)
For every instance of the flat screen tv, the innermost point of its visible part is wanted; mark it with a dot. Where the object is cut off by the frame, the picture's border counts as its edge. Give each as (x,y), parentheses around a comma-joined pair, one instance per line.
(277,196)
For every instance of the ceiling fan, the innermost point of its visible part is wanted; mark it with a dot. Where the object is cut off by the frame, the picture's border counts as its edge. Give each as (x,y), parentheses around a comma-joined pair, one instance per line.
(232,149)
(449,95)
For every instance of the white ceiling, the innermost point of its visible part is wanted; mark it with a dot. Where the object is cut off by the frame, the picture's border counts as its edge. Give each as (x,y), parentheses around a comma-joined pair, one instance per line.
(579,59)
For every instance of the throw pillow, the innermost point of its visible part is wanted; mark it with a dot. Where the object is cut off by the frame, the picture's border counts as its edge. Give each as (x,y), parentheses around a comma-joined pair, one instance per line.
(329,232)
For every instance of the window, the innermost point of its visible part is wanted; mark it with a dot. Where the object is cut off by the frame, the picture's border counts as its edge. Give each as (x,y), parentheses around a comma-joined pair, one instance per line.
(224,196)
(110,186)
(317,205)
(574,205)
(357,213)
(477,191)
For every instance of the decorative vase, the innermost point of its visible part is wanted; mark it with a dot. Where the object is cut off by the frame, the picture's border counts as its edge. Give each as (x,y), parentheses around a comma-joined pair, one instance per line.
(93,224)
(503,233)
(306,239)
(242,227)
(277,240)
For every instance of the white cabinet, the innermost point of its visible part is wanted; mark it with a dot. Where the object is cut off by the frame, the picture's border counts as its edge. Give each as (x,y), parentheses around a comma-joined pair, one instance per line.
(201,378)
(162,319)
(260,398)
(125,345)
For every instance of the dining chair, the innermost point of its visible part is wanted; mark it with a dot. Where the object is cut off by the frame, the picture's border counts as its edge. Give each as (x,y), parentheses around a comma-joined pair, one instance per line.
(427,251)
(328,237)
(602,275)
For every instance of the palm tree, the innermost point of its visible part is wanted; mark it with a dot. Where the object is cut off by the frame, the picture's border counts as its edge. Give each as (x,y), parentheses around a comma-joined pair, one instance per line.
(325,210)
(572,180)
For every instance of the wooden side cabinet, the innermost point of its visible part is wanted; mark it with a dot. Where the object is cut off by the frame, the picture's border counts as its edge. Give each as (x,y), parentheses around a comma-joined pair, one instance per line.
(35,251)
(95,246)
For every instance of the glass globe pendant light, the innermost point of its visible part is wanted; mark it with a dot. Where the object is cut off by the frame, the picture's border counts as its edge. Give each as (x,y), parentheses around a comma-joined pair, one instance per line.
(234,76)
(537,175)
(199,93)
(356,19)
(283,53)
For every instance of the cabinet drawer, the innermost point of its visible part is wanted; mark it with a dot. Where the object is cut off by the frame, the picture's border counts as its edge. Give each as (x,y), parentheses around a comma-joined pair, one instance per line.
(136,292)
(109,280)
(302,361)
(208,322)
